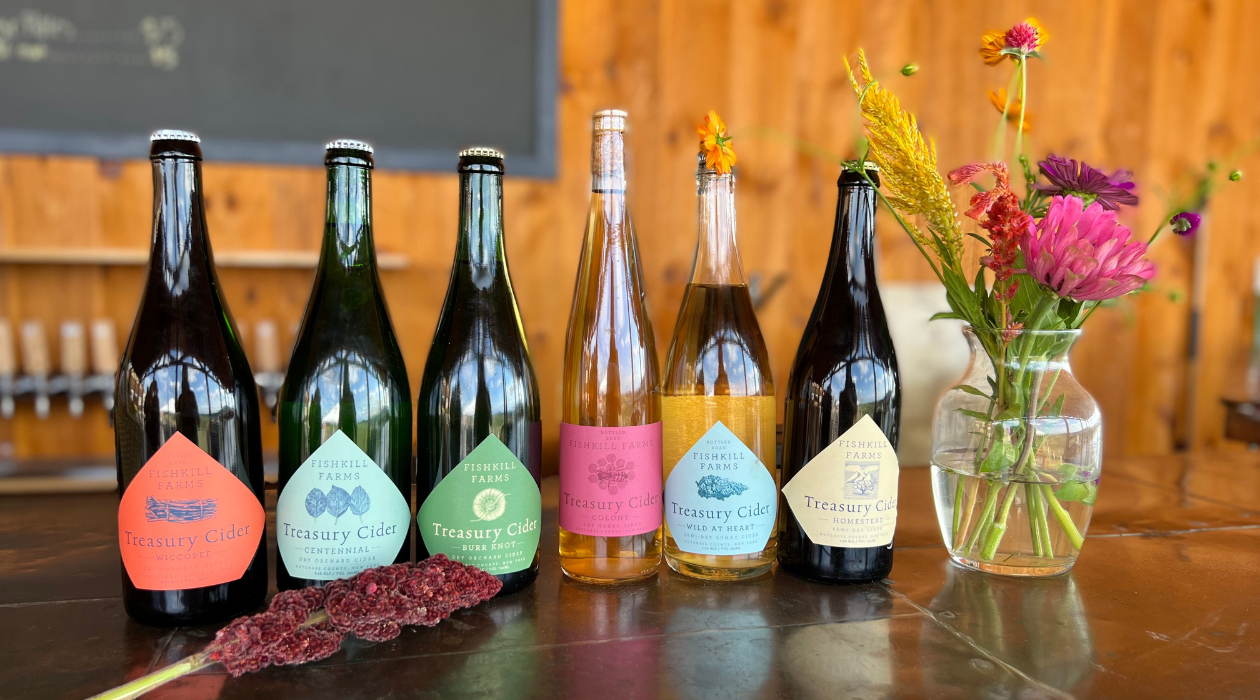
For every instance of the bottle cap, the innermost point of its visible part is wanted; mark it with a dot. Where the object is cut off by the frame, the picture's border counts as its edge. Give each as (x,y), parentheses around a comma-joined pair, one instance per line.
(348,145)
(480,152)
(868,165)
(174,135)
(610,120)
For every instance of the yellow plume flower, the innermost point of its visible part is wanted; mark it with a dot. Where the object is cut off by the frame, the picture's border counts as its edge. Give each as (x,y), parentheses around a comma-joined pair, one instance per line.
(907,166)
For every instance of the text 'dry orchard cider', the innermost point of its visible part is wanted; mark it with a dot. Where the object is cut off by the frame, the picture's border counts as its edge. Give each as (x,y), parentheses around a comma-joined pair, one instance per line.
(190,519)
(477,418)
(717,404)
(610,437)
(345,408)
(842,413)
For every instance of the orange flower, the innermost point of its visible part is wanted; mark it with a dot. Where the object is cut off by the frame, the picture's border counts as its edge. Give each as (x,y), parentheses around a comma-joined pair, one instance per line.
(715,144)
(991,45)
(998,99)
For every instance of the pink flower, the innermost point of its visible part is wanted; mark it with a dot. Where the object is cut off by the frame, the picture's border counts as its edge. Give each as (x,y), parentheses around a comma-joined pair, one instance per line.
(1085,253)
(1026,37)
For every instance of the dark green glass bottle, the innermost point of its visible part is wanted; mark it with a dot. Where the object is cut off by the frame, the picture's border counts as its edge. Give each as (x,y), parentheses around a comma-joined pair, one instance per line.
(191,526)
(842,413)
(478,429)
(345,408)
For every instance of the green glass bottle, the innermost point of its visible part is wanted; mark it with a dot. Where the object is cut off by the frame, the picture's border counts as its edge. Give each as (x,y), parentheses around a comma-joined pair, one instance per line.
(345,408)
(478,430)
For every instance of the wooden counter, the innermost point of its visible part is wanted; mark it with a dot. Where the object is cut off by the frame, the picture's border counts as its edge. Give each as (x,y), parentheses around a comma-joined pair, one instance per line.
(1164,603)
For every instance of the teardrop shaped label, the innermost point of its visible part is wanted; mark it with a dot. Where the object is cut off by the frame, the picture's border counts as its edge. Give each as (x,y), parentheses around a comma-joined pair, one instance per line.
(487,512)
(185,521)
(339,514)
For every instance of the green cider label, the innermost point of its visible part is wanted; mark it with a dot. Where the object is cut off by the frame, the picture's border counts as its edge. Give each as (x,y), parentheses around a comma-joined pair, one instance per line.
(486,512)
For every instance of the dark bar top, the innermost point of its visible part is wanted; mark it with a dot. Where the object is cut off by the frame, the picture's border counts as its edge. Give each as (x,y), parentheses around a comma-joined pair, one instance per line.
(1164,603)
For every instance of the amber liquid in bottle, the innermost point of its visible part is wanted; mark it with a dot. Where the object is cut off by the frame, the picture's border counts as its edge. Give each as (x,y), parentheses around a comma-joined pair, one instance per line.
(718,370)
(611,374)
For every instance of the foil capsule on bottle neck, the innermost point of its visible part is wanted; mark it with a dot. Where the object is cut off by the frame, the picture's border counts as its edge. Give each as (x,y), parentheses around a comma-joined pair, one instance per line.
(608,166)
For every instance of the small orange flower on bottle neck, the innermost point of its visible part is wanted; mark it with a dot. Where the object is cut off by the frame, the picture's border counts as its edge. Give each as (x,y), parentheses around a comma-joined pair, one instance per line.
(715,144)
(998,99)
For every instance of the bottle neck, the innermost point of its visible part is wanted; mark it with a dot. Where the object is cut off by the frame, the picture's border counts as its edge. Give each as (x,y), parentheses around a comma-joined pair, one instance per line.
(347,243)
(852,258)
(608,162)
(608,190)
(480,220)
(180,251)
(717,258)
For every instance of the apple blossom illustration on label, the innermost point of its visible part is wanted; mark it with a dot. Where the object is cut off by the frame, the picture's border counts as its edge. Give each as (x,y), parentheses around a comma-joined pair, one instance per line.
(486,512)
(719,498)
(339,514)
(185,521)
(610,479)
(846,496)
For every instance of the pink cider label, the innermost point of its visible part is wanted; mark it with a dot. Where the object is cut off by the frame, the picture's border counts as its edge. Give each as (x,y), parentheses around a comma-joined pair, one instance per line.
(610,479)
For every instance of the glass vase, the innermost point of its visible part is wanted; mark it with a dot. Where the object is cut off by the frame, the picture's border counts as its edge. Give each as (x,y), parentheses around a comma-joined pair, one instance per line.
(1016,455)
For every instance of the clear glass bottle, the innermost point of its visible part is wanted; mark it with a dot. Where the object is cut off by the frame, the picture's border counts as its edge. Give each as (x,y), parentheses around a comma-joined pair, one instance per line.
(718,411)
(610,435)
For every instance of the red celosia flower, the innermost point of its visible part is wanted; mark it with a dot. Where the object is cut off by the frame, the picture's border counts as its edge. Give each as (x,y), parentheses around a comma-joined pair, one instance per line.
(374,605)
(310,624)
(1003,219)
(276,637)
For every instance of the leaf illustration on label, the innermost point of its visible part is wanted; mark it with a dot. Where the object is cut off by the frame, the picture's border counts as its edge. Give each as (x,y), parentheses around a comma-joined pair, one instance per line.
(352,548)
(490,504)
(714,486)
(359,501)
(338,502)
(316,503)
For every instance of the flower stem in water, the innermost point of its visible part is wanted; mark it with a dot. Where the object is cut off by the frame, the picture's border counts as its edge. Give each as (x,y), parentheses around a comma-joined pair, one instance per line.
(1065,520)
(1034,529)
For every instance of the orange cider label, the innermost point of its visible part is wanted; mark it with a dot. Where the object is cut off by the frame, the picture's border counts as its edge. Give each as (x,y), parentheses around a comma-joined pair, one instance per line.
(185,521)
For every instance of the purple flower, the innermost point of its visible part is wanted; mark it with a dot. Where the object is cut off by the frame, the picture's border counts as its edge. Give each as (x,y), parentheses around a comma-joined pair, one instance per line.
(1069,177)
(1185,223)
(1082,252)
(1123,179)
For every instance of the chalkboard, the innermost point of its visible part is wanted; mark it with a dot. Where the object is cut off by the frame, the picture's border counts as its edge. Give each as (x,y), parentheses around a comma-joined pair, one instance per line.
(273,80)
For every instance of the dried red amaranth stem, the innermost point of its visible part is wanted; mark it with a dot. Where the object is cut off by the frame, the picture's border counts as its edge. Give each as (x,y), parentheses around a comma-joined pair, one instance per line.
(310,624)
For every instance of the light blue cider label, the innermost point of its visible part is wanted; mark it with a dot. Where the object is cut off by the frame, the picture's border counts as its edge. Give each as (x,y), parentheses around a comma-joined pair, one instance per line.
(339,514)
(719,498)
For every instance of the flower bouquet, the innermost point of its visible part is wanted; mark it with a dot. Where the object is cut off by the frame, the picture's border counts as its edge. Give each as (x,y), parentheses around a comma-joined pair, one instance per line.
(1017,444)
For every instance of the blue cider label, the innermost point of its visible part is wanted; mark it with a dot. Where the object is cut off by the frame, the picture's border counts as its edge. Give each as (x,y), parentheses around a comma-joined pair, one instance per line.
(719,498)
(339,514)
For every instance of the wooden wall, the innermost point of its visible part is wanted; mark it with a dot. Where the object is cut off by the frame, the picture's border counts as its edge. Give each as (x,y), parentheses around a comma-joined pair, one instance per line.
(1157,86)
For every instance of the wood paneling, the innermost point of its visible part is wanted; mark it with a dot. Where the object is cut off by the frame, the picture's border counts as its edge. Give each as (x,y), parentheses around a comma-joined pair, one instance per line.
(1154,86)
